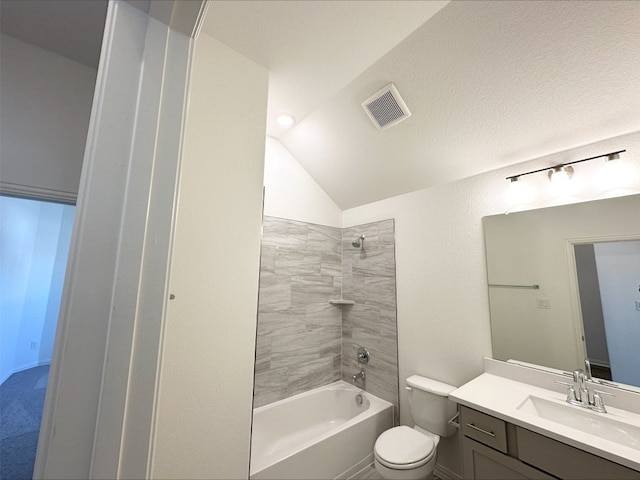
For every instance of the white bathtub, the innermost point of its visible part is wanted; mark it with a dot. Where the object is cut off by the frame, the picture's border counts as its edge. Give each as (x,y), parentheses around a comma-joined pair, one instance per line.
(321,434)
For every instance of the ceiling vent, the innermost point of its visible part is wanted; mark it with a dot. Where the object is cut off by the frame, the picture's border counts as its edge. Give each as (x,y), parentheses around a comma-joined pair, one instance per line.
(386,108)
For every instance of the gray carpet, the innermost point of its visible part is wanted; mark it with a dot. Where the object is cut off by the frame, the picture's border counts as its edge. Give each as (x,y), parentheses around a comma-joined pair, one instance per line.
(21,402)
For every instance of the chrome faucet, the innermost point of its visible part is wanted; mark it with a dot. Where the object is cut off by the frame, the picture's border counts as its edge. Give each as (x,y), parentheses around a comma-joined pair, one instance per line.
(361,375)
(578,393)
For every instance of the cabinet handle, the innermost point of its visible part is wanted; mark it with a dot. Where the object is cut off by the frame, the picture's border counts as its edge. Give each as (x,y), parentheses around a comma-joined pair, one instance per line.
(471,425)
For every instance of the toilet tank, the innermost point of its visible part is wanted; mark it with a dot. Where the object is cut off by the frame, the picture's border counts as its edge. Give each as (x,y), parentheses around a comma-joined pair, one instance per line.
(431,408)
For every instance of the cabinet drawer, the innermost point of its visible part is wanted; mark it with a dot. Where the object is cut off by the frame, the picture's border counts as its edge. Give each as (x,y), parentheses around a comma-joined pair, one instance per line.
(565,461)
(484,463)
(484,428)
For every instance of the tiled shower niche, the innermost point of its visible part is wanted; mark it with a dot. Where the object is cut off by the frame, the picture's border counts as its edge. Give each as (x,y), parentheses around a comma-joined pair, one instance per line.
(305,342)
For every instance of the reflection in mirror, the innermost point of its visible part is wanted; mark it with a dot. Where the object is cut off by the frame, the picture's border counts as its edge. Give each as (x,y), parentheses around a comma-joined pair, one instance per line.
(608,276)
(584,260)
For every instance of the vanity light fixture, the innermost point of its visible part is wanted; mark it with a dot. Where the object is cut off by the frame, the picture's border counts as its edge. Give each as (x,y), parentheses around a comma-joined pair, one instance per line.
(560,175)
(563,172)
(616,173)
(519,192)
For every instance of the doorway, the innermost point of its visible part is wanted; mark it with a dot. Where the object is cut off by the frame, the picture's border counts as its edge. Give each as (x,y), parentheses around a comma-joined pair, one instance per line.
(34,246)
(608,274)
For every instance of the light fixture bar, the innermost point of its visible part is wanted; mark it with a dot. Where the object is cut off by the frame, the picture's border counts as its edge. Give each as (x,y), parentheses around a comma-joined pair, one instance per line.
(560,165)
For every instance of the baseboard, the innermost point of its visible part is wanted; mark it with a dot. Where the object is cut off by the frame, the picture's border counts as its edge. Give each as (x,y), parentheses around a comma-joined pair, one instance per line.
(22,369)
(445,474)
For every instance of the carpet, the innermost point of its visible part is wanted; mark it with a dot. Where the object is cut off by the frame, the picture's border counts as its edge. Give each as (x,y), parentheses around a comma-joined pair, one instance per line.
(21,402)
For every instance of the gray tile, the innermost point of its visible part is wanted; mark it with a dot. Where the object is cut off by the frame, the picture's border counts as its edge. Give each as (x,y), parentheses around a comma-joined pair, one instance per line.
(307,289)
(380,262)
(284,233)
(337,287)
(263,354)
(308,342)
(275,293)
(324,239)
(309,375)
(379,291)
(270,387)
(291,261)
(330,264)
(268,259)
(325,339)
(290,350)
(323,314)
(284,322)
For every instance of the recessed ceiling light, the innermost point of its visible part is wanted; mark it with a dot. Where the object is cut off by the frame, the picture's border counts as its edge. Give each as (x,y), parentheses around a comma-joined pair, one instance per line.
(285,120)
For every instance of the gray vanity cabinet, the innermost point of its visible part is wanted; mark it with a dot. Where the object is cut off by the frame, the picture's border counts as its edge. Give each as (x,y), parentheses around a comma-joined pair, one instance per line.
(495,449)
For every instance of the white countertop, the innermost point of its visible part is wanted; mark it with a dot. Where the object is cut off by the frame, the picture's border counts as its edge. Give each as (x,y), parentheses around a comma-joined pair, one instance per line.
(501,397)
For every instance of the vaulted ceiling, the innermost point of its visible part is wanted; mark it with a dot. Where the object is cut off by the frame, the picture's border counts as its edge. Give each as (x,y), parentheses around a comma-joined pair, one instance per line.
(488,83)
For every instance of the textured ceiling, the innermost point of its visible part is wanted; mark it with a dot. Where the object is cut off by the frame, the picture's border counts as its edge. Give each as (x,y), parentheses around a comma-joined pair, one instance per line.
(488,83)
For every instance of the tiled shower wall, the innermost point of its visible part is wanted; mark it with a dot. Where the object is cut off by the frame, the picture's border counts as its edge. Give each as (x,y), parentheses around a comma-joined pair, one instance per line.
(299,333)
(303,341)
(369,278)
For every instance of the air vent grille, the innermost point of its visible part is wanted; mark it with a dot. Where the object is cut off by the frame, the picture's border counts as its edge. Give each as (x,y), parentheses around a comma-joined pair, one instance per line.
(386,108)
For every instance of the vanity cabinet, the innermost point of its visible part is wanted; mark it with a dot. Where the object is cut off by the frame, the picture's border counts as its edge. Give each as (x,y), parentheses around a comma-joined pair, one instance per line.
(495,449)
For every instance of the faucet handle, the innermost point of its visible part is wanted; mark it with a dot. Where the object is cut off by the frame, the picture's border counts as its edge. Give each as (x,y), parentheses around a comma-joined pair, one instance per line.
(598,401)
(600,392)
(587,369)
(571,392)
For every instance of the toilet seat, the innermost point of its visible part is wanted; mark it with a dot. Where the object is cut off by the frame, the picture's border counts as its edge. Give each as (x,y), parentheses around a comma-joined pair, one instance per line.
(403,448)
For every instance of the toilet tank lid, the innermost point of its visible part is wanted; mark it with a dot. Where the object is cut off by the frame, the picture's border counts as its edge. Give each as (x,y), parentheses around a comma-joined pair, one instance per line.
(430,385)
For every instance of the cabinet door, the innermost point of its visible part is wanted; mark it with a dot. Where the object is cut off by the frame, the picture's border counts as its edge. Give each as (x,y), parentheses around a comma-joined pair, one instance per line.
(566,461)
(484,463)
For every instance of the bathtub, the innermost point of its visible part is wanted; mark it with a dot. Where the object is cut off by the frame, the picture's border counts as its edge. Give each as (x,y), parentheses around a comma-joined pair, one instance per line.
(325,433)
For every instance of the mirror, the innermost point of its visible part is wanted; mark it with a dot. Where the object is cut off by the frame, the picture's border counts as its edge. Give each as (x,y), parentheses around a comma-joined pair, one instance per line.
(564,286)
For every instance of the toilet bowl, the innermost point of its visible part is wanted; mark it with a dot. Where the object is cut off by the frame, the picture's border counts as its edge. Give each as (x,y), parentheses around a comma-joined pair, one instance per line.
(405,453)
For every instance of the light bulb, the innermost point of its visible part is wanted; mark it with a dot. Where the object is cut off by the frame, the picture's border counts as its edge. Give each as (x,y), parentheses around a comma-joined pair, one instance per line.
(519,192)
(285,120)
(560,177)
(616,173)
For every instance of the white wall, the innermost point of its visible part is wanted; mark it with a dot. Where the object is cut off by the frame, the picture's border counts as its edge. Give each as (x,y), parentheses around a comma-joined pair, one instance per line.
(100,396)
(46,103)
(618,266)
(291,193)
(443,310)
(204,405)
(34,242)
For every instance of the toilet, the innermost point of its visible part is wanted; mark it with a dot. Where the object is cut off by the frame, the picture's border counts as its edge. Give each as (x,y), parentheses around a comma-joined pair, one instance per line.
(405,453)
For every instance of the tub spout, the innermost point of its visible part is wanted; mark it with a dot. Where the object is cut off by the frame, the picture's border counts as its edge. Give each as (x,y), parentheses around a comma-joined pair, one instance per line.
(361,375)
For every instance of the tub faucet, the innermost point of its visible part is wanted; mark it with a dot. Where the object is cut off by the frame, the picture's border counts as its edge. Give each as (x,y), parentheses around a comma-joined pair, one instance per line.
(361,375)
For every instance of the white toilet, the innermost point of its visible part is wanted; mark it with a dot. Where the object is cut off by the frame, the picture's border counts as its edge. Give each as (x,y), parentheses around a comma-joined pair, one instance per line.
(404,453)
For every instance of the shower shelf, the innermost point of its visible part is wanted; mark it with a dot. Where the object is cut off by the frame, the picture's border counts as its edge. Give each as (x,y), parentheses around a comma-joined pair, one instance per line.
(341,301)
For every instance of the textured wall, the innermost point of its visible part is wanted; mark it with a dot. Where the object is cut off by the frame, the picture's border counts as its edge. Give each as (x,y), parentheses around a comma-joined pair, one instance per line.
(369,278)
(443,308)
(303,341)
(299,332)
(204,402)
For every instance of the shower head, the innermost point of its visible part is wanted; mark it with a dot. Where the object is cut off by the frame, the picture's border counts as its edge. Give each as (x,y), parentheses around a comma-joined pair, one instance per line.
(358,242)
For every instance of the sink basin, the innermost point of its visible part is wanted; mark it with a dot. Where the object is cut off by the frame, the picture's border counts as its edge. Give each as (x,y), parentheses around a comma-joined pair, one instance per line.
(602,425)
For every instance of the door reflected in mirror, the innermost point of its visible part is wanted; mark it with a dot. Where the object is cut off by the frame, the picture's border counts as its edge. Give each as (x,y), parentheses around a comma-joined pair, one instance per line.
(608,275)
(550,269)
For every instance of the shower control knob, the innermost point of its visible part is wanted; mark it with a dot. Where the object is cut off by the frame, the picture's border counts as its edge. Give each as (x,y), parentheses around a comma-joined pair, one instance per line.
(363,355)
